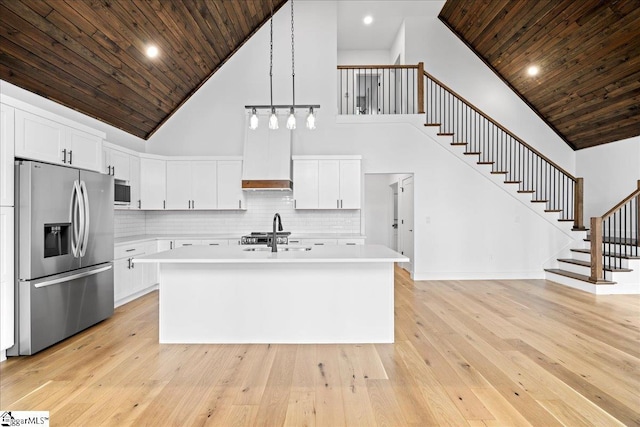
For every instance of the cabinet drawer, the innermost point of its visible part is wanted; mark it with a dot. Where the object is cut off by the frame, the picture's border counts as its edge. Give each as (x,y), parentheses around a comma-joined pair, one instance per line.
(215,242)
(128,250)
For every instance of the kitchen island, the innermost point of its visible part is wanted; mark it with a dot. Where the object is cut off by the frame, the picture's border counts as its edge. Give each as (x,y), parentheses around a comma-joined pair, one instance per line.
(247,294)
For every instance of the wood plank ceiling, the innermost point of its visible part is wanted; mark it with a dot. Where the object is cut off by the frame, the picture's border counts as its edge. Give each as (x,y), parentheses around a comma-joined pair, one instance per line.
(588,52)
(90,54)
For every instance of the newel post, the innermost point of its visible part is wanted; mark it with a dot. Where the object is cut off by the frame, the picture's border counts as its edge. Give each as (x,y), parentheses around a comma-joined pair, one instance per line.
(420,87)
(638,217)
(596,250)
(578,205)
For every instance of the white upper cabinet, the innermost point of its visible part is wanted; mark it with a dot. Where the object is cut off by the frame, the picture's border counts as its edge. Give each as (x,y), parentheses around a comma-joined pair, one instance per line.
(192,184)
(116,163)
(178,184)
(48,140)
(134,181)
(84,150)
(230,195)
(153,183)
(305,184)
(350,184)
(204,185)
(6,154)
(327,182)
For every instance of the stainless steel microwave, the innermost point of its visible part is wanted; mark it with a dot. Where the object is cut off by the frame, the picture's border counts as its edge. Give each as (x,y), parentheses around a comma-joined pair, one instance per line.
(121,193)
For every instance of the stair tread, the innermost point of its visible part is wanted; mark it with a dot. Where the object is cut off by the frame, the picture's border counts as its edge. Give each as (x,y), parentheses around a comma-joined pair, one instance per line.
(567,220)
(577,276)
(499,172)
(471,153)
(553,210)
(512,182)
(432,124)
(485,163)
(445,134)
(539,201)
(459,143)
(526,191)
(611,254)
(588,264)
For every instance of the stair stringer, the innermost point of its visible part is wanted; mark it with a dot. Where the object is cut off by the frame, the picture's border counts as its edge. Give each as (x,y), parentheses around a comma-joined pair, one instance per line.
(444,141)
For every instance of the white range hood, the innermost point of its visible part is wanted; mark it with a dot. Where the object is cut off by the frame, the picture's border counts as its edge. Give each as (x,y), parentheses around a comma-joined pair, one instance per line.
(267,159)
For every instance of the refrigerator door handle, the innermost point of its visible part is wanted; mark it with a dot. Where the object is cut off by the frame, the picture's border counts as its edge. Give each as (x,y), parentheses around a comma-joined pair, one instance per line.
(75,220)
(86,219)
(72,277)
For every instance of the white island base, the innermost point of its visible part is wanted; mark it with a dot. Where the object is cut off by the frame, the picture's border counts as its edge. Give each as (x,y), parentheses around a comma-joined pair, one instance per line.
(276,298)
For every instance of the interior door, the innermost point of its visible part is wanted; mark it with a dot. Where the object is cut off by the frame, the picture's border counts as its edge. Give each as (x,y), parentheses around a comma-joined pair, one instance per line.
(407,221)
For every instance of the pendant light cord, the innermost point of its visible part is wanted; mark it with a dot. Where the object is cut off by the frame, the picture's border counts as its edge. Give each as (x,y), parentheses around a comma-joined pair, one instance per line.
(271,57)
(293,65)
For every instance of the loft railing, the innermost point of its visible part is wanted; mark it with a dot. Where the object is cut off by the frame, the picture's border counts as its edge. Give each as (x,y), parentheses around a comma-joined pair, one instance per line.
(408,89)
(380,89)
(615,236)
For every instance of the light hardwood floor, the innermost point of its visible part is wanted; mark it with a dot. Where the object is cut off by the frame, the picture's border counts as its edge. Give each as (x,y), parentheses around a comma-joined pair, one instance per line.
(479,353)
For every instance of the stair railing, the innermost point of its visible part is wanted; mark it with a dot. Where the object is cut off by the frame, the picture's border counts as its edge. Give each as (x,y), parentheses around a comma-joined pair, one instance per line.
(509,155)
(408,89)
(615,235)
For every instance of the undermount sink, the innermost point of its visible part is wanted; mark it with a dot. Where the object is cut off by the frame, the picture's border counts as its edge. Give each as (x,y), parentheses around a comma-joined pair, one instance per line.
(280,249)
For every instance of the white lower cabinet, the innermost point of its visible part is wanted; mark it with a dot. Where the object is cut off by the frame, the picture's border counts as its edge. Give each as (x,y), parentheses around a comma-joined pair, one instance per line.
(133,280)
(6,280)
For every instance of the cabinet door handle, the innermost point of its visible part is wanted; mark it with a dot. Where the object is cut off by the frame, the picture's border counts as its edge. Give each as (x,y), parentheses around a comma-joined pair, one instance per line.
(351,244)
(239,204)
(214,244)
(70,157)
(164,204)
(129,263)
(187,244)
(295,204)
(139,204)
(113,171)
(319,244)
(170,245)
(338,204)
(130,250)
(108,170)
(64,155)
(193,204)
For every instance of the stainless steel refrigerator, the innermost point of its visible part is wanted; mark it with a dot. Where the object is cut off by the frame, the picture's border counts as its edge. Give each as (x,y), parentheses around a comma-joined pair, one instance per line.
(64,253)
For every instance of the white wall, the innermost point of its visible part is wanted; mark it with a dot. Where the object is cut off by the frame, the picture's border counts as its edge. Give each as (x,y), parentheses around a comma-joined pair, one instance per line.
(363,57)
(398,47)
(114,135)
(610,172)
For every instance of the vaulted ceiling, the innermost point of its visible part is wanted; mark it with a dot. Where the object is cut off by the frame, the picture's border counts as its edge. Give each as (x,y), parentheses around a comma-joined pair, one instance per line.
(588,53)
(90,54)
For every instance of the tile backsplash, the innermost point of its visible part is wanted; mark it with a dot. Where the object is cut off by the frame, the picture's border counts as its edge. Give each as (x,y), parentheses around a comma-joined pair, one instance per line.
(261,206)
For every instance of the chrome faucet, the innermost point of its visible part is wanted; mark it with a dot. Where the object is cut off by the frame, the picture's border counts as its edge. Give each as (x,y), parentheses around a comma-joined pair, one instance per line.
(274,238)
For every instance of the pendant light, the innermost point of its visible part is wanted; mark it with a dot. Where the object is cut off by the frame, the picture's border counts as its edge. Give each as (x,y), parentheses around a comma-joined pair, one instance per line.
(273,117)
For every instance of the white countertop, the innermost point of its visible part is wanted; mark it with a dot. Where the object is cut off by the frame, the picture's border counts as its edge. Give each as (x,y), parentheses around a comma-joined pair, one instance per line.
(150,237)
(239,255)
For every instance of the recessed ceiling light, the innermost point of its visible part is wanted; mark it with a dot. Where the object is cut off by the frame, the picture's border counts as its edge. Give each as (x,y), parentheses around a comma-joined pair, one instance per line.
(533,70)
(152,51)
(368,20)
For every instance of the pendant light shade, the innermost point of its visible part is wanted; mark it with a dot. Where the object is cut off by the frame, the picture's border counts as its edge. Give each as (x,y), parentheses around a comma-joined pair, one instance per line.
(273,120)
(291,121)
(253,121)
(311,120)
